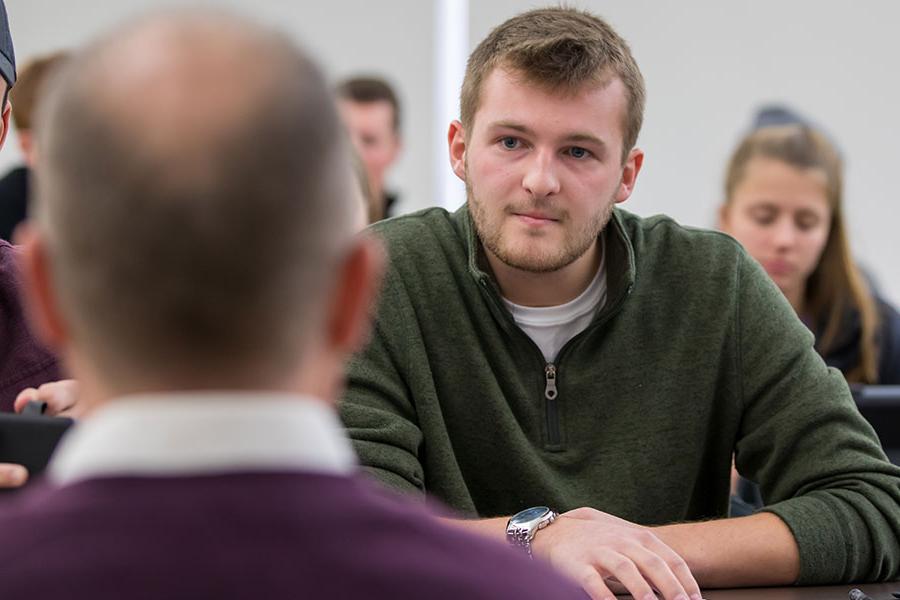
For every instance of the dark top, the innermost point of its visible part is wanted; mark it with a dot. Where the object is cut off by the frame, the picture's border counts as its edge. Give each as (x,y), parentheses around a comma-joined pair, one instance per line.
(844,354)
(13,200)
(24,362)
(390,201)
(252,535)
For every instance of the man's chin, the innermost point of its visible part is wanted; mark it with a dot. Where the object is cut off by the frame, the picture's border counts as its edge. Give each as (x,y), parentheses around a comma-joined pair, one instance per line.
(532,262)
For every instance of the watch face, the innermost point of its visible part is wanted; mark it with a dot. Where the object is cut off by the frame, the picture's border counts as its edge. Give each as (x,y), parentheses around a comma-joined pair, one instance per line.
(530,514)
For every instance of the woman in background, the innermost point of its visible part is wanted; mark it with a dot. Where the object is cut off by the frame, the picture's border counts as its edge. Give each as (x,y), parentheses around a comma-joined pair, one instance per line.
(783,202)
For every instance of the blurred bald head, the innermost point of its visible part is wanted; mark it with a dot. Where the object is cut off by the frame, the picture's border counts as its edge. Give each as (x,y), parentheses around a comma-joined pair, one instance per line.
(195,198)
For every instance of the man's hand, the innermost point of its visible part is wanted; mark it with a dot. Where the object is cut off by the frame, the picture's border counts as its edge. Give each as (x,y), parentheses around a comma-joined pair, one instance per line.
(599,550)
(61,398)
(12,476)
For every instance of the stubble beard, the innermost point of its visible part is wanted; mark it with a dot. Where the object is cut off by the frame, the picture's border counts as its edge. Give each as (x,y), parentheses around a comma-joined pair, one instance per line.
(578,240)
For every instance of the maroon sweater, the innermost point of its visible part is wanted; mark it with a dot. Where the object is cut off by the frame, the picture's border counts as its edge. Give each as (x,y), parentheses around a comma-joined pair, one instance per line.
(23,361)
(262,535)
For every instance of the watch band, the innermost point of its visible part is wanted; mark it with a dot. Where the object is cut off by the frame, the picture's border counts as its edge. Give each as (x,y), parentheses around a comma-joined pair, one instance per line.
(524,525)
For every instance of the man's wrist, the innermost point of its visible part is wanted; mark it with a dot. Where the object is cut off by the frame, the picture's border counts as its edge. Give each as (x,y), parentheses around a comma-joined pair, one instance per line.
(523,527)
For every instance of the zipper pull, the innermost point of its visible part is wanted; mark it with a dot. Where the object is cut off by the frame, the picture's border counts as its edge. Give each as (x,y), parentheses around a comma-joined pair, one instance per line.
(550,388)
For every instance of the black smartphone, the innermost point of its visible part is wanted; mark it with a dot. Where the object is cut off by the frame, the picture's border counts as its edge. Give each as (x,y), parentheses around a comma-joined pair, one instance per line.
(29,440)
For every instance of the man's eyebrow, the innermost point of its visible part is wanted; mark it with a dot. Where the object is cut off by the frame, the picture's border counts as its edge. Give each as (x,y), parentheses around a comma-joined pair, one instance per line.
(571,137)
(510,125)
(585,137)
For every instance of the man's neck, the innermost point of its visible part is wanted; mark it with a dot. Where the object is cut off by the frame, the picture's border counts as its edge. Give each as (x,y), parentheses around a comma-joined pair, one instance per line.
(552,288)
(318,376)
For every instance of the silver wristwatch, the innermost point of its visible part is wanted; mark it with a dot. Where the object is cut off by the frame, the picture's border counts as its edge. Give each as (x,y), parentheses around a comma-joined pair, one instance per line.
(524,525)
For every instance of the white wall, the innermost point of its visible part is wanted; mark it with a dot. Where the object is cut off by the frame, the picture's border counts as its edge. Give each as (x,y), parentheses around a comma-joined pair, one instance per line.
(391,39)
(708,64)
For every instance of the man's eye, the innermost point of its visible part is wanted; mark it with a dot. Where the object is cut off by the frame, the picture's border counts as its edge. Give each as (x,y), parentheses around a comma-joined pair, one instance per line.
(510,143)
(578,152)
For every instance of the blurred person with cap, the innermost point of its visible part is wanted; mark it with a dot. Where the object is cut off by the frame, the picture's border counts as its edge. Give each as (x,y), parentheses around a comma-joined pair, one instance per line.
(24,361)
(784,201)
(194,256)
(24,97)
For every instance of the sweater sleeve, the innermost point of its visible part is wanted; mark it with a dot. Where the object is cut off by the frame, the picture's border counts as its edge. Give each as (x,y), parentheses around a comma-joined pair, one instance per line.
(819,464)
(377,410)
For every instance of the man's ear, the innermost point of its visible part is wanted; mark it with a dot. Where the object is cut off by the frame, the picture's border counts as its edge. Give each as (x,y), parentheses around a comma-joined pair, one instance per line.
(352,305)
(4,122)
(456,140)
(630,171)
(26,145)
(38,296)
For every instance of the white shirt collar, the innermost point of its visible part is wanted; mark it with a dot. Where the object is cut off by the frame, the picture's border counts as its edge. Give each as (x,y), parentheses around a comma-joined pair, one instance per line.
(201,433)
(587,302)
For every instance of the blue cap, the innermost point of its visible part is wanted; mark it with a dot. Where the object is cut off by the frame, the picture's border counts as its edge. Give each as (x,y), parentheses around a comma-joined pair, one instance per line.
(7,55)
(775,115)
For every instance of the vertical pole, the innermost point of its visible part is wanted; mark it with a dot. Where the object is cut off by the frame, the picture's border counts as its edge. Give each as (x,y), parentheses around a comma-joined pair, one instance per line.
(451,39)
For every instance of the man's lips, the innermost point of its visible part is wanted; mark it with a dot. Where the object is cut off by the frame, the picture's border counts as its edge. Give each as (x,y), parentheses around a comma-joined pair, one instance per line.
(533,218)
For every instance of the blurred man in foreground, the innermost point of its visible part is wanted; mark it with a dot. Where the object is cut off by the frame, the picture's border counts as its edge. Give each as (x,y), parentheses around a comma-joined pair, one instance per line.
(193,257)
(24,361)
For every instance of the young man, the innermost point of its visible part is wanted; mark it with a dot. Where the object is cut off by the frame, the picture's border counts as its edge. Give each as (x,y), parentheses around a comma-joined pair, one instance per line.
(194,257)
(542,347)
(371,112)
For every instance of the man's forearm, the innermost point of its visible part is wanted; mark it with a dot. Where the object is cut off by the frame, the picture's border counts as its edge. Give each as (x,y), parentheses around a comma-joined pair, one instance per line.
(599,550)
(757,550)
(494,528)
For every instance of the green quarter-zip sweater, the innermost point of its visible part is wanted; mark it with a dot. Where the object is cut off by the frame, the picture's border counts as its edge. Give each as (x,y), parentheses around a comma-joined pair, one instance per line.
(695,355)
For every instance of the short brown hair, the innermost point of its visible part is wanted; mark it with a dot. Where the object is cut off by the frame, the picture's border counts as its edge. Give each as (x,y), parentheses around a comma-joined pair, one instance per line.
(835,285)
(371,89)
(557,48)
(26,93)
(193,240)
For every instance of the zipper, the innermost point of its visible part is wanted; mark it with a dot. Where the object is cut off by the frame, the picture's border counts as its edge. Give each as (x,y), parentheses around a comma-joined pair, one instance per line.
(551,394)
(552,406)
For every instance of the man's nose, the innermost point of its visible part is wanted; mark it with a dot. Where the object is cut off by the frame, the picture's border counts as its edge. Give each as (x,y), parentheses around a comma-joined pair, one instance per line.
(541,179)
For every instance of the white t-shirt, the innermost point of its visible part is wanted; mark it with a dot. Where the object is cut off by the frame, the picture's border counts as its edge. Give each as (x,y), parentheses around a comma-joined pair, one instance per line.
(552,326)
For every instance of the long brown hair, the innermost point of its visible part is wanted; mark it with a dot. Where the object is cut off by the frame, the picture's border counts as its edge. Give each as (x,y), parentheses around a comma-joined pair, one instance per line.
(836,285)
